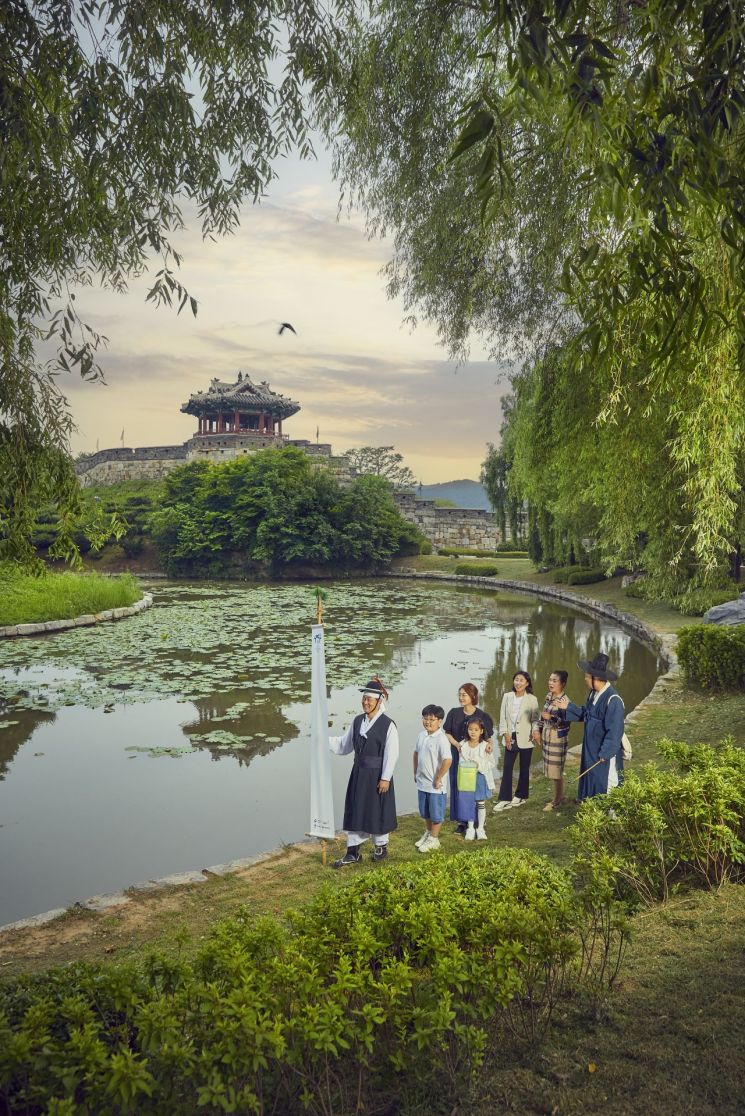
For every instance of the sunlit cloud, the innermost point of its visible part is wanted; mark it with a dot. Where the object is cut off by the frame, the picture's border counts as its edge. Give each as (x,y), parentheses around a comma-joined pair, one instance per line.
(360,378)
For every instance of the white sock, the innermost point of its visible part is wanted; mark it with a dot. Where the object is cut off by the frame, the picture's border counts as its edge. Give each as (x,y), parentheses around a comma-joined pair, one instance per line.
(482,814)
(470,827)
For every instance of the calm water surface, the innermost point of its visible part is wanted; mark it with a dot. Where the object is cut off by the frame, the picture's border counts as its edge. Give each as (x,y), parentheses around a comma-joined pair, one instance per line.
(179,738)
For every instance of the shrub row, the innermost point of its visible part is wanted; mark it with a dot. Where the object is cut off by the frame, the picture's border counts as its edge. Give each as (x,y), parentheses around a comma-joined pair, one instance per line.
(463,552)
(577,575)
(404,981)
(713,657)
(677,828)
(477,569)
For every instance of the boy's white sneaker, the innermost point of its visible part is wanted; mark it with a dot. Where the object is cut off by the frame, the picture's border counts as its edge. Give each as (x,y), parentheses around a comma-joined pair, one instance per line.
(470,834)
(502,806)
(481,834)
(422,839)
(430,844)
(517,802)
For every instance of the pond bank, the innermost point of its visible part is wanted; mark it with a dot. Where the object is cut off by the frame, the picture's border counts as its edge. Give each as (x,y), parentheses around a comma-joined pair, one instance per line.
(148,917)
(87,620)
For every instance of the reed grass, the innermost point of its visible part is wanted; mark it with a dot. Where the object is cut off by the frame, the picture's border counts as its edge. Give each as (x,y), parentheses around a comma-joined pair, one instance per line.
(28,598)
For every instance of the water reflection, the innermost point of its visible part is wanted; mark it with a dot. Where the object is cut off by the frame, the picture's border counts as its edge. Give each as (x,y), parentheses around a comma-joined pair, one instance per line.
(110,737)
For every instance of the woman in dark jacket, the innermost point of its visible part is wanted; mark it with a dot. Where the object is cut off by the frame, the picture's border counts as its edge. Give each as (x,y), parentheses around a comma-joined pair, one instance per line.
(454,728)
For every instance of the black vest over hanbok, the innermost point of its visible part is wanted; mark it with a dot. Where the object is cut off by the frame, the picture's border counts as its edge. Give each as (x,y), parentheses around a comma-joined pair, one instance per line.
(365,810)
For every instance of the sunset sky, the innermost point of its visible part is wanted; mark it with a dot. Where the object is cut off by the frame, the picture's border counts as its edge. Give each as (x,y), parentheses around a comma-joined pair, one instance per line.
(361,376)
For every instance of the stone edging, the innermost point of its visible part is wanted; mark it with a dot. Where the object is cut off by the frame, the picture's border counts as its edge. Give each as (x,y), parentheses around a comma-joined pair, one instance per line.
(98,903)
(13,631)
(663,645)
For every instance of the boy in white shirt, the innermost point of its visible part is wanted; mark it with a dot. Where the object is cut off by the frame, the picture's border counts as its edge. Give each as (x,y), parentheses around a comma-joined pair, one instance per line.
(432,759)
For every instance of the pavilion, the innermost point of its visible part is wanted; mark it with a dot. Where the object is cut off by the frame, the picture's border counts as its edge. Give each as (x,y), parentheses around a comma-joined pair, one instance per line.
(241,408)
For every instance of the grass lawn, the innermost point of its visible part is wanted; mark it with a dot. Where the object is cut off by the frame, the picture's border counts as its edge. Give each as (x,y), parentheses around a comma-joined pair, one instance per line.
(34,598)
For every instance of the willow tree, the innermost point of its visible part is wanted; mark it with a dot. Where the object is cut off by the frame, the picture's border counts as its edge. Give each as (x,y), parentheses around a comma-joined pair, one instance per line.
(114,116)
(569,178)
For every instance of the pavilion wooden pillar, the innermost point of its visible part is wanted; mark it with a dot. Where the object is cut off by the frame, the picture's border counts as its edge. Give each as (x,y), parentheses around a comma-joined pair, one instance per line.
(236,422)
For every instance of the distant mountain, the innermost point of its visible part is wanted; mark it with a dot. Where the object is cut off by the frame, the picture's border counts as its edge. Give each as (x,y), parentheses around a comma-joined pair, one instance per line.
(463,493)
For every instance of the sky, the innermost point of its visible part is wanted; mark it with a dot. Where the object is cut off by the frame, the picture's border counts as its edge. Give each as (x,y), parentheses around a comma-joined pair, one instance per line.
(360,375)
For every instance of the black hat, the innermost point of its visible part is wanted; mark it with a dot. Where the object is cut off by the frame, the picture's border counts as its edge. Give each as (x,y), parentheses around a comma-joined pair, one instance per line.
(598,668)
(375,686)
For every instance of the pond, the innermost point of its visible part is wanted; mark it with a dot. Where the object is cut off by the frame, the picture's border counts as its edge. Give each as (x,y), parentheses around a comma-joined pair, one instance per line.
(178,739)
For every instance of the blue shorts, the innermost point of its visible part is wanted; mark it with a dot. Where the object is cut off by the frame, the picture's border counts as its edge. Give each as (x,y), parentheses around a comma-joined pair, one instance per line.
(432,806)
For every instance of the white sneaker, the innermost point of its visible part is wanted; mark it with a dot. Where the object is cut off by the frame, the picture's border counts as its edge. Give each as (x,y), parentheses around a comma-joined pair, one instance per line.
(430,844)
(470,834)
(422,839)
(504,806)
(481,835)
(517,801)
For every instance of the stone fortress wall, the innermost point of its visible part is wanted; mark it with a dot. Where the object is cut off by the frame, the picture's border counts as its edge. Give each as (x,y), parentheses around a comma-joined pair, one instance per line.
(458,528)
(152,463)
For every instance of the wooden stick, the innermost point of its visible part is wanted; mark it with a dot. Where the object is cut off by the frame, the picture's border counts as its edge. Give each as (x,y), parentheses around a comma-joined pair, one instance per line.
(588,769)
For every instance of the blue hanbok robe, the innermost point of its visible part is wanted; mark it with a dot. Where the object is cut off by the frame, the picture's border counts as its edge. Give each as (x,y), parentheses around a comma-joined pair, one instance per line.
(603,720)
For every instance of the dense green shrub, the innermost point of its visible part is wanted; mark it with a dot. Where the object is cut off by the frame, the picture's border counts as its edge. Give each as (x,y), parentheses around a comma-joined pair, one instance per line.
(465,552)
(638,589)
(713,657)
(276,509)
(405,980)
(517,547)
(580,576)
(477,569)
(683,827)
(561,573)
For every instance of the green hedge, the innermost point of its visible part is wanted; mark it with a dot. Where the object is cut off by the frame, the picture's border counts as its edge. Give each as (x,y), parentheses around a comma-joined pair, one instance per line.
(581,576)
(400,984)
(713,657)
(477,569)
(671,829)
(464,552)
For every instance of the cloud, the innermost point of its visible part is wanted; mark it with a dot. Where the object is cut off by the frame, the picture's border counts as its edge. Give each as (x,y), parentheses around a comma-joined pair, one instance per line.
(358,375)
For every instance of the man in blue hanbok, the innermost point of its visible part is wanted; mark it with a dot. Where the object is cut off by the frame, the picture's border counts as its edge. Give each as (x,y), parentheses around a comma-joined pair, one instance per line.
(603,714)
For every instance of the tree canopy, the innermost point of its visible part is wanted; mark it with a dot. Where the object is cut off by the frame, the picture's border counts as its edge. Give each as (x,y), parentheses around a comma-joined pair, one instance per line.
(276,509)
(384,462)
(567,181)
(115,115)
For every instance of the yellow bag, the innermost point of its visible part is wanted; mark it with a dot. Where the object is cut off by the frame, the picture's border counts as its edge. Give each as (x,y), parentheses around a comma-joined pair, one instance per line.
(467,773)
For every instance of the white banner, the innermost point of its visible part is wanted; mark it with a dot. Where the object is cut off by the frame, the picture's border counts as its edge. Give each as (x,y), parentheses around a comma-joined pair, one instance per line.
(321,792)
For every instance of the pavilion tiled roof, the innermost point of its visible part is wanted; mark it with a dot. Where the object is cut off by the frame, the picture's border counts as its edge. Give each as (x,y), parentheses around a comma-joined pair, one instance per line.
(243,395)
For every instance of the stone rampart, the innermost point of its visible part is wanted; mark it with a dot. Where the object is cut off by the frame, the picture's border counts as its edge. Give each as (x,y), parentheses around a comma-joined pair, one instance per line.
(465,528)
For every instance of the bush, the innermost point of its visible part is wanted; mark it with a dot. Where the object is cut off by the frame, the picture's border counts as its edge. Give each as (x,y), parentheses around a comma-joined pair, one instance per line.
(673,829)
(638,589)
(477,569)
(713,657)
(406,980)
(581,576)
(561,573)
(457,552)
(465,552)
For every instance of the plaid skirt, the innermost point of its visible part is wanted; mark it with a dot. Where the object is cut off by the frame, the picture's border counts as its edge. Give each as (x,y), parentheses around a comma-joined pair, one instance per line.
(554,757)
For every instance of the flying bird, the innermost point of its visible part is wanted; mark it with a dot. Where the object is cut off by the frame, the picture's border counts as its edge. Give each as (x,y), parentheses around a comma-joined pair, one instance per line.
(286,325)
